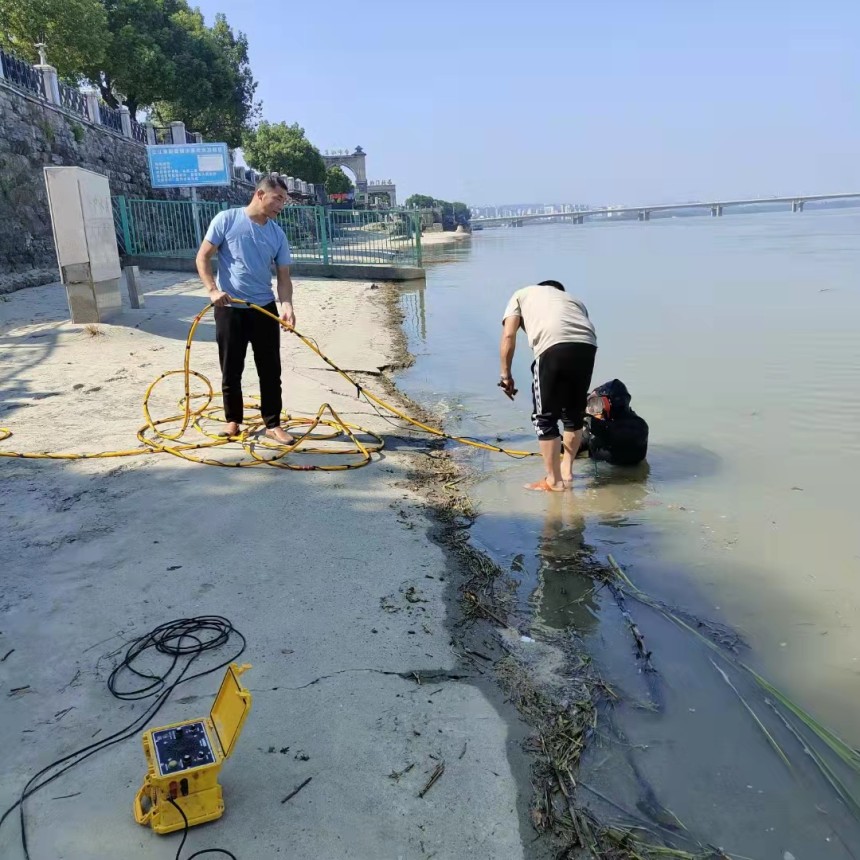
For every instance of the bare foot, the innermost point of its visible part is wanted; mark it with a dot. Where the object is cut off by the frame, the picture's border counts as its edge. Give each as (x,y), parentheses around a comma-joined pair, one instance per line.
(544,486)
(278,434)
(231,428)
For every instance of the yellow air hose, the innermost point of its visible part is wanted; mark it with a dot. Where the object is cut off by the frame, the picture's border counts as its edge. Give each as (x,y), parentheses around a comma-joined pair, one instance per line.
(317,436)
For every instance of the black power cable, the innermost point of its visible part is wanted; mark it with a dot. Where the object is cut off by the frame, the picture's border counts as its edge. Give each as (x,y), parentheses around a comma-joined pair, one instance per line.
(187,638)
(185,836)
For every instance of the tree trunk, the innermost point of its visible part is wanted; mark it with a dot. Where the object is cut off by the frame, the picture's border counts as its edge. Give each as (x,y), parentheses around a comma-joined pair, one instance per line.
(107,92)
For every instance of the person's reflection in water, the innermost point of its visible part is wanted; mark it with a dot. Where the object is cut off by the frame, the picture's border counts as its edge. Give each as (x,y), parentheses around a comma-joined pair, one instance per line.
(565,596)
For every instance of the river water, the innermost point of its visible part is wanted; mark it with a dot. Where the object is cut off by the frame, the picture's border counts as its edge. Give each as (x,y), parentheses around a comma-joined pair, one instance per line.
(738,339)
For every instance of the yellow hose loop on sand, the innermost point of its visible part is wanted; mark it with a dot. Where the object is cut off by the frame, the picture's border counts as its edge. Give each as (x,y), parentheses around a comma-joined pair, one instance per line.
(341,438)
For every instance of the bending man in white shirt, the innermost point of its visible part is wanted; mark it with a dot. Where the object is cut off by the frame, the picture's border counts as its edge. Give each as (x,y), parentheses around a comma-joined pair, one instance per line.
(564,344)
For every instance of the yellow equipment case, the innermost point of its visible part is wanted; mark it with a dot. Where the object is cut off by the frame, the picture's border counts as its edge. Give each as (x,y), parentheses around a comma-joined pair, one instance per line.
(184,759)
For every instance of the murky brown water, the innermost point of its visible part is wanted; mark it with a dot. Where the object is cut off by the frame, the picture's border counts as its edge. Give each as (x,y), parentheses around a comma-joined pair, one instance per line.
(738,338)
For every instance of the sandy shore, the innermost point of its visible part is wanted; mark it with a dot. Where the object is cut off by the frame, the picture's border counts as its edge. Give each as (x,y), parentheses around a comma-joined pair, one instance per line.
(345,600)
(441,240)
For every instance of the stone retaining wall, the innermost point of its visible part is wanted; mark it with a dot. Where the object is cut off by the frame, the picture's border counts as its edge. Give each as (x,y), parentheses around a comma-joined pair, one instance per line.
(35,135)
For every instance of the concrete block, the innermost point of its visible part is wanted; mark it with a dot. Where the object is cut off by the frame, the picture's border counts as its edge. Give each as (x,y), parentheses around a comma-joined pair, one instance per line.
(132,283)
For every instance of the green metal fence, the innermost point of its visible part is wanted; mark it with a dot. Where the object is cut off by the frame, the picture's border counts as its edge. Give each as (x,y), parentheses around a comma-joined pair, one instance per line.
(316,234)
(163,227)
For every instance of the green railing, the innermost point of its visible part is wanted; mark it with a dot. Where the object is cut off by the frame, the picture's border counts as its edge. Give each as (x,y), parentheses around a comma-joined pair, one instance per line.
(163,227)
(316,234)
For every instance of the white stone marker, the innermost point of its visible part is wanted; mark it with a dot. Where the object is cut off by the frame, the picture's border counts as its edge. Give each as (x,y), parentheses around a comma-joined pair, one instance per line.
(132,282)
(85,239)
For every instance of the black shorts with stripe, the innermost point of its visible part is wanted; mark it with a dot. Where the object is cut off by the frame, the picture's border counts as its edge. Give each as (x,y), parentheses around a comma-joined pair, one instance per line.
(561,379)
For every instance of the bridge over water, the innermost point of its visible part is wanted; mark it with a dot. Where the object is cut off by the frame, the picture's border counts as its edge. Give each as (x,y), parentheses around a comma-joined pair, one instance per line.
(644,212)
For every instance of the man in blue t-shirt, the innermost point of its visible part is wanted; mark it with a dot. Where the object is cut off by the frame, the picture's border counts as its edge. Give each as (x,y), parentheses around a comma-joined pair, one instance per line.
(247,242)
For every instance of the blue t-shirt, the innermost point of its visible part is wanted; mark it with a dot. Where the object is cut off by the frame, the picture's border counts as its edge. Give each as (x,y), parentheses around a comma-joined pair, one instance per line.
(245,254)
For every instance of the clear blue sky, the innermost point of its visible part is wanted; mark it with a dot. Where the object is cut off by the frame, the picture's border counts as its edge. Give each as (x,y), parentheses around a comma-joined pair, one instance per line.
(594,101)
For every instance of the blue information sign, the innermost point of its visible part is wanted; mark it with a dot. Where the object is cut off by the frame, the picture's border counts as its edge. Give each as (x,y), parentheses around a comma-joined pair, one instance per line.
(188,165)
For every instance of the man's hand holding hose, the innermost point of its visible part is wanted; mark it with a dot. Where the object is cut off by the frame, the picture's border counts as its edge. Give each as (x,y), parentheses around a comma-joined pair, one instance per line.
(219,298)
(288,315)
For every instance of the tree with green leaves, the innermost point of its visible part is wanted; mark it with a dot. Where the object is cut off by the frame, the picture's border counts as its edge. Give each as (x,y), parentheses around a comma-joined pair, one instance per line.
(222,106)
(162,56)
(281,148)
(74,31)
(155,55)
(461,212)
(420,201)
(337,182)
(450,215)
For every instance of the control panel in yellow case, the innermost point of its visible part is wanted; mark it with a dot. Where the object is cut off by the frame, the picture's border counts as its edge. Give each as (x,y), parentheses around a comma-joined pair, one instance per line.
(184,759)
